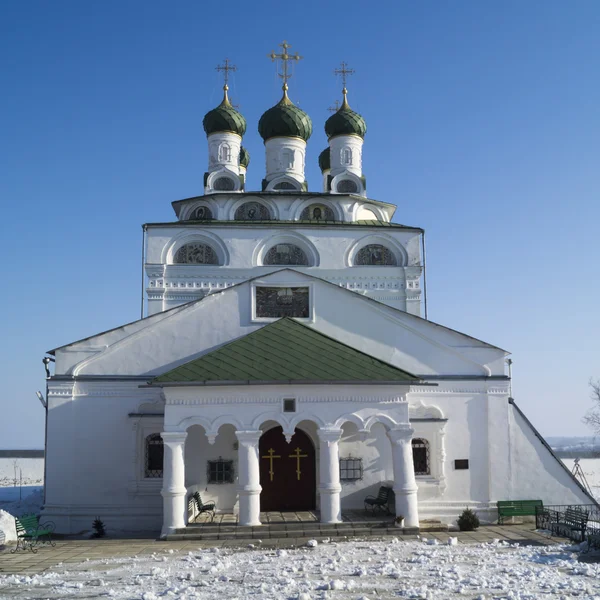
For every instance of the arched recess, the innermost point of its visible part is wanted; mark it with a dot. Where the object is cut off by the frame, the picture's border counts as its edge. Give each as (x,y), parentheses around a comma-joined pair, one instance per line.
(269,205)
(384,420)
(388,242)
(197,237)
(376,210)
(347,183)
(223,180)
(284,183)
(190,211)
(296,239)
(298,208)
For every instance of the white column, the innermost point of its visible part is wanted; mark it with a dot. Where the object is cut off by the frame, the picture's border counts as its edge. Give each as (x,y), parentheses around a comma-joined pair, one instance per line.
(173,490)
(249,477)
(405,485)
(329,475)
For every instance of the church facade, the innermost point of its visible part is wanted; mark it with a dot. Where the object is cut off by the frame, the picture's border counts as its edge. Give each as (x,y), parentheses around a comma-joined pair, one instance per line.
(284,364)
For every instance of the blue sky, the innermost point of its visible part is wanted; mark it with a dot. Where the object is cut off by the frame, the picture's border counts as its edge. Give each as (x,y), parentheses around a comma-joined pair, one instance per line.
(483,127)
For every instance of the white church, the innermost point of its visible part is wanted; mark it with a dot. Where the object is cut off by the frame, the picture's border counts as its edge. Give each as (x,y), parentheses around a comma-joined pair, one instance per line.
(284,363)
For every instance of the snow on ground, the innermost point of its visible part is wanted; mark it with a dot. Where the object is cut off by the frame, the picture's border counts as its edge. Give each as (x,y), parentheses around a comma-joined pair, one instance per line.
(591,470)
(366,570)
(14,504)
(27,471)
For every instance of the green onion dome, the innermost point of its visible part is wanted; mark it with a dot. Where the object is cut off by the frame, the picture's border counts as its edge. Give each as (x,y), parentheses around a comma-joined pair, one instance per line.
(345,122)
(244,157)
(325,160)
(224,118)
(285,120)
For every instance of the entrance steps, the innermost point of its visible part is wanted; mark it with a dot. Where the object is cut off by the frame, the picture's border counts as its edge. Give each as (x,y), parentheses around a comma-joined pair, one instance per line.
(288,528)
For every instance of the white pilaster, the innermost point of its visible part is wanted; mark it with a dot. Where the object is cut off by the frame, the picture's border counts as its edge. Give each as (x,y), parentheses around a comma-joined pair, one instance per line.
(329,475)
(248,477)
(174,490)
(405,485)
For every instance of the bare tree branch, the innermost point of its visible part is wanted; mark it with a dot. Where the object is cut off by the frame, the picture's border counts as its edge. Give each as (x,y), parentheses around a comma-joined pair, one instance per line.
(592,417)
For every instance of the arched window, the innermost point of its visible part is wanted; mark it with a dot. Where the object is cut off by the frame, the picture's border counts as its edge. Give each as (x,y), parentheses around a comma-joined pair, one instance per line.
(420,450)
(347,156)
(154,455)
(196,254)
(317,212)
(347,186)
(202,213)
(285,254)
(223,184)
(375,254)
(224,153)
(284,185)
(252,211)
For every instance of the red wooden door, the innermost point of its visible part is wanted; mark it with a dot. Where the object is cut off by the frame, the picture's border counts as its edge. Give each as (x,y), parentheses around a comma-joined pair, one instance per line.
(287,471)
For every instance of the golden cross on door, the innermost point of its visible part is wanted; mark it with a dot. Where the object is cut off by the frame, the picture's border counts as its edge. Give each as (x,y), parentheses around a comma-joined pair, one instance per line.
(226,68)
(344,72)
(270,457)
(298,456)
(284,57)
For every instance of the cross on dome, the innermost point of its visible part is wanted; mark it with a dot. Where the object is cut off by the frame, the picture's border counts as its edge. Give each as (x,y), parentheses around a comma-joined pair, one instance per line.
(285,58)
(335,108)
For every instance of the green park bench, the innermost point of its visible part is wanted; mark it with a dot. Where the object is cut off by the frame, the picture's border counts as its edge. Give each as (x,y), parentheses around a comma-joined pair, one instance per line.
(517,508)
(30,533)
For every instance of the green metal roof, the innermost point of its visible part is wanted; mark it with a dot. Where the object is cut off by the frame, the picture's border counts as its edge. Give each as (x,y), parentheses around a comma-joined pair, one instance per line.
(224,118)
(325,159)
(301,223)
(285,351)
(345,122)
(285,119)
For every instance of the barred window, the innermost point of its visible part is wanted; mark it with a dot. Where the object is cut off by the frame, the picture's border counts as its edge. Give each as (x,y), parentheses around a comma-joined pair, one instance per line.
(224,184)
(420,449)
(347,186)
(285,254)
(196,254)
(351,469)
(219,471)
(154,456)
(375,254)
(252,211)
(284,185)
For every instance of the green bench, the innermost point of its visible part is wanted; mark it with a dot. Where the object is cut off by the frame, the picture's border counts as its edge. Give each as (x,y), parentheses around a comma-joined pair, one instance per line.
(30,533)
(516,508)
(380,501)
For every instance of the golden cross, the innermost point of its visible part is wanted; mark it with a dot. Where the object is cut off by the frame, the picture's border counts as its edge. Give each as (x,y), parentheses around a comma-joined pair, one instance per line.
(344,72)
(284,57)
(270,456)
(226,68)
(333,109)
(298,456)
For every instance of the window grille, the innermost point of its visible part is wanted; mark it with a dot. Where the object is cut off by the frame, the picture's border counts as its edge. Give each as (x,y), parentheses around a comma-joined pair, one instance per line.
(284,185)
(252,211)
(347,186)
(420,449)
(277,302)
(285,254)
(375,254)
(154,456)
(219,471)
(316,212)
(223,184)
(351,469)
(196,254)
(289,405)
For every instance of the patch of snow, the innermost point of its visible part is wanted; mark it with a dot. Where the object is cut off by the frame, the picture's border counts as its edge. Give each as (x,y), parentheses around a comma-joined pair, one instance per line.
(8,533)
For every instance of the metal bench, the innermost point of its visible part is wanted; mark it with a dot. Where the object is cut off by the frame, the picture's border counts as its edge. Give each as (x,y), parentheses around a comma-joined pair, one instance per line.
(516,508)
(380,501)
(201,507)
(572,524)
(30,533)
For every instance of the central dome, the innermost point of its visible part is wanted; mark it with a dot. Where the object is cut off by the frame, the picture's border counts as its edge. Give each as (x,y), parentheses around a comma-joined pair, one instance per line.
(285,120)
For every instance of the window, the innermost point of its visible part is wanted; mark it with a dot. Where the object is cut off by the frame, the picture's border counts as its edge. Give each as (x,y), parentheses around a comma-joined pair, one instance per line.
(223,184)
(287,158)
(153,463)
(252,211)
(289,405)
(420,449)
(285,254)
(351,469)
(461,463)
(317,212)
(277,302)
(224,153)
(347,156)
(285,185)
(196,254)
(347,186)
(202,213)
(219,471)
(375,254)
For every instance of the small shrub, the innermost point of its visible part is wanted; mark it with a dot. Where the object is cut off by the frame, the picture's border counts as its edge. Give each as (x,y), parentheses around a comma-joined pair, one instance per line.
(468,520)
(98,527)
